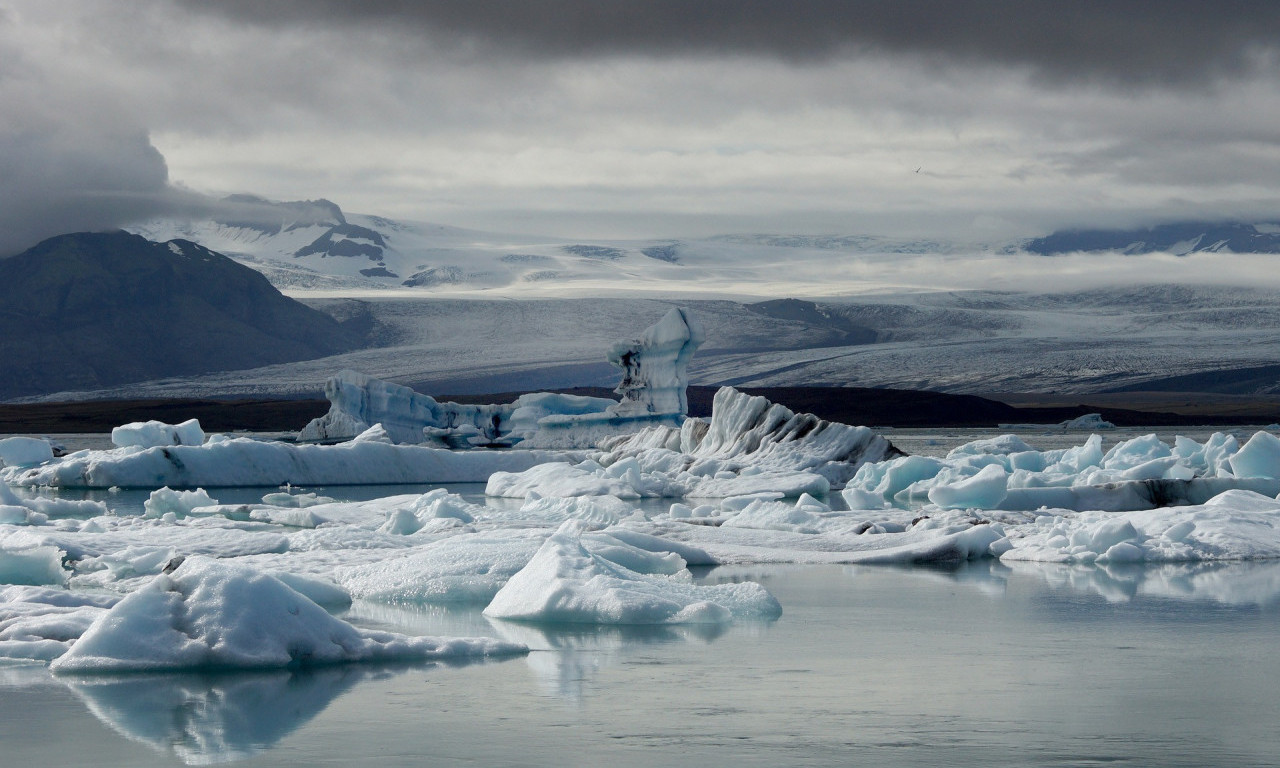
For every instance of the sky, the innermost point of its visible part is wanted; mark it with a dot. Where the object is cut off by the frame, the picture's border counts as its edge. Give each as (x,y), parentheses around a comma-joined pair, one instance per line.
(975,121)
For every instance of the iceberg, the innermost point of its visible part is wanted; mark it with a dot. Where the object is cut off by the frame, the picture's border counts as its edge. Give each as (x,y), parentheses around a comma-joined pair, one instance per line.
(241,462)
(24,451)
(208,615)
(1235,525)
(654,380)
(749,446)
(148,434)
(1140,473)
(565,583)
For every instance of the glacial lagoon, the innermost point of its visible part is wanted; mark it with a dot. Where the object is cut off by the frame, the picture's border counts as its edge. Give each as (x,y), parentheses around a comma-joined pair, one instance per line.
(980,664)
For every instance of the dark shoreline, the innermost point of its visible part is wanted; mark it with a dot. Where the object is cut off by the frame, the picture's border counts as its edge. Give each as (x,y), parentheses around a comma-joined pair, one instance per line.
(849,405)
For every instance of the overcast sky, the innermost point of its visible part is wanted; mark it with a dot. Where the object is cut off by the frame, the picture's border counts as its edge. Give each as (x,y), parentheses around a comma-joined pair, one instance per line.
(658,118)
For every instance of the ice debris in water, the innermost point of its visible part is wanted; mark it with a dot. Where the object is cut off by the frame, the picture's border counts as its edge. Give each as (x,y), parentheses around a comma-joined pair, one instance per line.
(566,583)
(1139,473)
(210,615)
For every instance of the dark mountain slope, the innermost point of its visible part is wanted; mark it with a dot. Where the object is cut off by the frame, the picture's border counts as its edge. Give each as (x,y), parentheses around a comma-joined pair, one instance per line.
(98,309)
(1181,238)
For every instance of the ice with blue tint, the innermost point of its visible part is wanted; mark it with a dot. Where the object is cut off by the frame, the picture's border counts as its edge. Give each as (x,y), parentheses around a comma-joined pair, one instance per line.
(566,583)
(209,615)
(1140,473)
(749,446)
(147,434)
(24,451)
(654,379)
(241,462)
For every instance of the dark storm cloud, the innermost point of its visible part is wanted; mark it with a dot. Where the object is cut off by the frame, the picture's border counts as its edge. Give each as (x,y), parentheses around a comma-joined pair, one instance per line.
(1125,41)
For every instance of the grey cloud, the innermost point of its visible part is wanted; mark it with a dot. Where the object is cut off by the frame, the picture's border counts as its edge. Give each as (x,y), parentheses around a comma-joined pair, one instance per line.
(1123,41)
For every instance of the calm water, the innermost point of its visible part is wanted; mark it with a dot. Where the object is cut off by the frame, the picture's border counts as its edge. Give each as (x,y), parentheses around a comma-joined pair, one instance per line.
(984,665)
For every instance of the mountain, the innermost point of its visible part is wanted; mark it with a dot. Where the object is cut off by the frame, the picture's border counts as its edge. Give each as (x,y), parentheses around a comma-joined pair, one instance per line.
(99,309)
(1180,239)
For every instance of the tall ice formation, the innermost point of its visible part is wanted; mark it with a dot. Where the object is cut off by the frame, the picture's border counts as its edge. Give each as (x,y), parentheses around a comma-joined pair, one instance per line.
(654,378)
(654,366)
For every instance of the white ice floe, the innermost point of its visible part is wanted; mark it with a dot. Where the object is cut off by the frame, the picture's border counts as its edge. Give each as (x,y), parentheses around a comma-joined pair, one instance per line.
(566,583)
(749,446)
(36,565)
(209,615)
(1141,473)
(24,451)
(39,622)
(1235,525)
(148,434)
(238,462)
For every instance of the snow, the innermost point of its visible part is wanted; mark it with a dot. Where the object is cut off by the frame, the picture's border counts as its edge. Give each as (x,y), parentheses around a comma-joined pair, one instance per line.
(208,615)
(146,434)
(566,583)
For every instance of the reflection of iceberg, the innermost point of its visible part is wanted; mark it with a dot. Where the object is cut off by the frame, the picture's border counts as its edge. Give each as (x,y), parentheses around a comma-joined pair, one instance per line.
(566,657)
(207,719)
(1233,583)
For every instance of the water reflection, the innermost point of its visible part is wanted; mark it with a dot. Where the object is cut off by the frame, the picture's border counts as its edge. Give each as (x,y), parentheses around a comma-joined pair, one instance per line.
(215,718)
(1233,583)
(1225,583)
(565,657)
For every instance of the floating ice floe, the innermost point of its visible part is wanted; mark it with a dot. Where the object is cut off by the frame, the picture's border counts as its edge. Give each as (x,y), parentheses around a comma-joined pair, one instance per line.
(239,462)
(1140,473)
(24,451)
(653,392)
(1235,525)
(566,583)
(750,446)
(149,434)
(208,615)
(38,510)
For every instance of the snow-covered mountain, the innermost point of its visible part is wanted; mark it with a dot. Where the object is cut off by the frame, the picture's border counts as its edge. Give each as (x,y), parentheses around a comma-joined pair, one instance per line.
(314,246)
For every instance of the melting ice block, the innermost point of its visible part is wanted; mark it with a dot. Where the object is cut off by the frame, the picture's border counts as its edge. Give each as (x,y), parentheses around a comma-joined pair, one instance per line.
(1005,473)
(208,615)
(24,451)
(148,434)
(566,583)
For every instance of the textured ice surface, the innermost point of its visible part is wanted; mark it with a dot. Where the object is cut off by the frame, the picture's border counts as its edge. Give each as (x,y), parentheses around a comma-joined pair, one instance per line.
(566,583)
(209,615)
(654,378)
(1236,525)
(146,434)
(24,451)
(750,446)
(237,462)
(1140,473)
